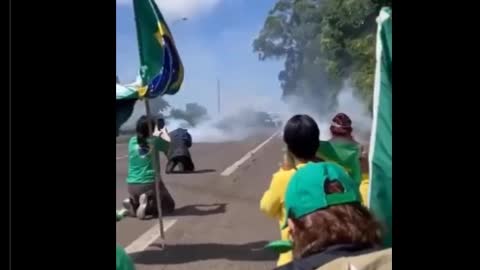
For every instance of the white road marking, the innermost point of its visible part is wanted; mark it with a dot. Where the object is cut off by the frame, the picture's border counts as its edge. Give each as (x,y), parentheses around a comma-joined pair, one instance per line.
(228,171)
(122,157)
(146,239)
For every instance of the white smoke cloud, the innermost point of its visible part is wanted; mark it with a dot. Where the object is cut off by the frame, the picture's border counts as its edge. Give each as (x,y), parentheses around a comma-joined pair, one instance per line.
(347,103)
(240,127)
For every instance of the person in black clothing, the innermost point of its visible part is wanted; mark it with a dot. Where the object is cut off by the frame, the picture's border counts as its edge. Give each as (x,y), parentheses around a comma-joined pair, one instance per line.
(179,158)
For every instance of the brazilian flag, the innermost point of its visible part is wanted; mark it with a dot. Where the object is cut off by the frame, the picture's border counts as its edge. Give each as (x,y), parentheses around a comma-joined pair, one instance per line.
(161,69)
(346,154)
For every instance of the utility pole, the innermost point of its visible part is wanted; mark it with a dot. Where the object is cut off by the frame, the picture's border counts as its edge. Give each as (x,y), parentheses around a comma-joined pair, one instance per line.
(218,96)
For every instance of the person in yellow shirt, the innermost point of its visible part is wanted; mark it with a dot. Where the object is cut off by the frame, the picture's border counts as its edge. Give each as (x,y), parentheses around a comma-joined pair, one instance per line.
(364,184)
(301,136)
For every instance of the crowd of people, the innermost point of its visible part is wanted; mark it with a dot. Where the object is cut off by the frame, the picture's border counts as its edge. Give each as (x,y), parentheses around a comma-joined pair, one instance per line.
(319,207)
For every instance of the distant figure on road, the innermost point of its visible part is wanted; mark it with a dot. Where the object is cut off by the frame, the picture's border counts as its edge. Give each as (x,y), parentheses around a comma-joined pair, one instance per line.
(141,174)
(179,158)
(301,135)
(329,227)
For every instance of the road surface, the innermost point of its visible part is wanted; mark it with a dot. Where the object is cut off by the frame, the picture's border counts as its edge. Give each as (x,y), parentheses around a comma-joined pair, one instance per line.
(217,224)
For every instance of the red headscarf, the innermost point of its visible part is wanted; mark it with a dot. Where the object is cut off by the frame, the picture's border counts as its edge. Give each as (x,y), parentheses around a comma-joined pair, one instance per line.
(341,126)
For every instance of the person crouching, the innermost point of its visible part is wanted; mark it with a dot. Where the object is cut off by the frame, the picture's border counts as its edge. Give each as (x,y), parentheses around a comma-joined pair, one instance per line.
(141,174)
(179,158)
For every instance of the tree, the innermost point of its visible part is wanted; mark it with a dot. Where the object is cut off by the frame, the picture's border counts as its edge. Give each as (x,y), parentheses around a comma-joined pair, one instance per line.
(193,114)
(323,43)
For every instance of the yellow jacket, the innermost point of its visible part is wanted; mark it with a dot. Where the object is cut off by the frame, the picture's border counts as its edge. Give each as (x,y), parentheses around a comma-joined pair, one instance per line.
(272,204)
(364,188)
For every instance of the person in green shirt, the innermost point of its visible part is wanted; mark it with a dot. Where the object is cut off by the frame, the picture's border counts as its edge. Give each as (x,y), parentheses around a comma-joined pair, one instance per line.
(141,174)
(124,262)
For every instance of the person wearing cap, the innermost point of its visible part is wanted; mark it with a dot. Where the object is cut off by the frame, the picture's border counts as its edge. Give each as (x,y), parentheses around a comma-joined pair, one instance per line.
(329,227)
(341,128)
(301,136)
(341,131)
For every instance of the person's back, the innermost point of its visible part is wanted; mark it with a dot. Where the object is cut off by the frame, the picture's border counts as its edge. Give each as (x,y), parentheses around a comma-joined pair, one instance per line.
(181,140)
(272,205)
(179,158)
(369,260)
(329,227)
(140,168)
(345,257)
(301,135)
(341,129)
(141,174)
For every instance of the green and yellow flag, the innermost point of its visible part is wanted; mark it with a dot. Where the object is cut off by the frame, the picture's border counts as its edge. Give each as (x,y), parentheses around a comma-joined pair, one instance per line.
(346,154)
(161,70)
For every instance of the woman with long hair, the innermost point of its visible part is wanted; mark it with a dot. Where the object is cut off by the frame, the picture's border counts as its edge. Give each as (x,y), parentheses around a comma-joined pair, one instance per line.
(141,174)
(329,227)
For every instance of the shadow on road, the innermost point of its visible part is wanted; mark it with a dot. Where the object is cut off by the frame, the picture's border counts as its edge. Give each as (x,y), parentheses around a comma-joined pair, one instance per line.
(182,253)
(195,172)
(200,209)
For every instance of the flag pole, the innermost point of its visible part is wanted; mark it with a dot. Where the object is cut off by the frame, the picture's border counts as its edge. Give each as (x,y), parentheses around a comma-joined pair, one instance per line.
(158,176)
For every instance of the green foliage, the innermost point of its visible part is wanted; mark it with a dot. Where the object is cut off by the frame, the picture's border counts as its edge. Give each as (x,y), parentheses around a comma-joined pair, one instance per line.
(193,114)
(323,43)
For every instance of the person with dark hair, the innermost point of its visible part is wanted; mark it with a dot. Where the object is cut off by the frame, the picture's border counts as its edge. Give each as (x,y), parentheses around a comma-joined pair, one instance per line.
(179,158)
(141,174)
(301,136)
(329,227)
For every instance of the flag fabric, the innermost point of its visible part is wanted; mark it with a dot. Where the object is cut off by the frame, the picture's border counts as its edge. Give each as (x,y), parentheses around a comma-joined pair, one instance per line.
(346,154)
(380,158)
(161,70)
(126,97)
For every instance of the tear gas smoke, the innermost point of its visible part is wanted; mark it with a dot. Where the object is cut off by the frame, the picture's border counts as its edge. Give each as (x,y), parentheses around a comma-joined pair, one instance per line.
(245,122)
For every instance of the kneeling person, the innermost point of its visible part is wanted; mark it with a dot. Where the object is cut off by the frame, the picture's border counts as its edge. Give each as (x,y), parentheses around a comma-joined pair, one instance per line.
(179,158)
(141,174)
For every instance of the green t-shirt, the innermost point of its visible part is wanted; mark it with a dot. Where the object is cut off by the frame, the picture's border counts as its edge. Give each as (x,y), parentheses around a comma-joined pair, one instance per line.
(124,262)
(140,168)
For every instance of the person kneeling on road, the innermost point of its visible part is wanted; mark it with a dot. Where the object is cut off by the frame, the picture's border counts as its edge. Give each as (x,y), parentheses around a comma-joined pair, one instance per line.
(179,158)
(141,174)
(329,227)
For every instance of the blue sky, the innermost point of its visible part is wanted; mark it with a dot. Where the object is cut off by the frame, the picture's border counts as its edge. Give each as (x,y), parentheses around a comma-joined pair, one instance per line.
(215,42)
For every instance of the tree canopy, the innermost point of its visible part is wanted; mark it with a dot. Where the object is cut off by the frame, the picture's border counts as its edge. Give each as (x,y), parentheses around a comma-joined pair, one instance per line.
(193,114)
(323,42)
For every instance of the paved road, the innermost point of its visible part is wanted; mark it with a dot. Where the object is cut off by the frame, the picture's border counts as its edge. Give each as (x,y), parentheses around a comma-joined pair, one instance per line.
(217,222)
